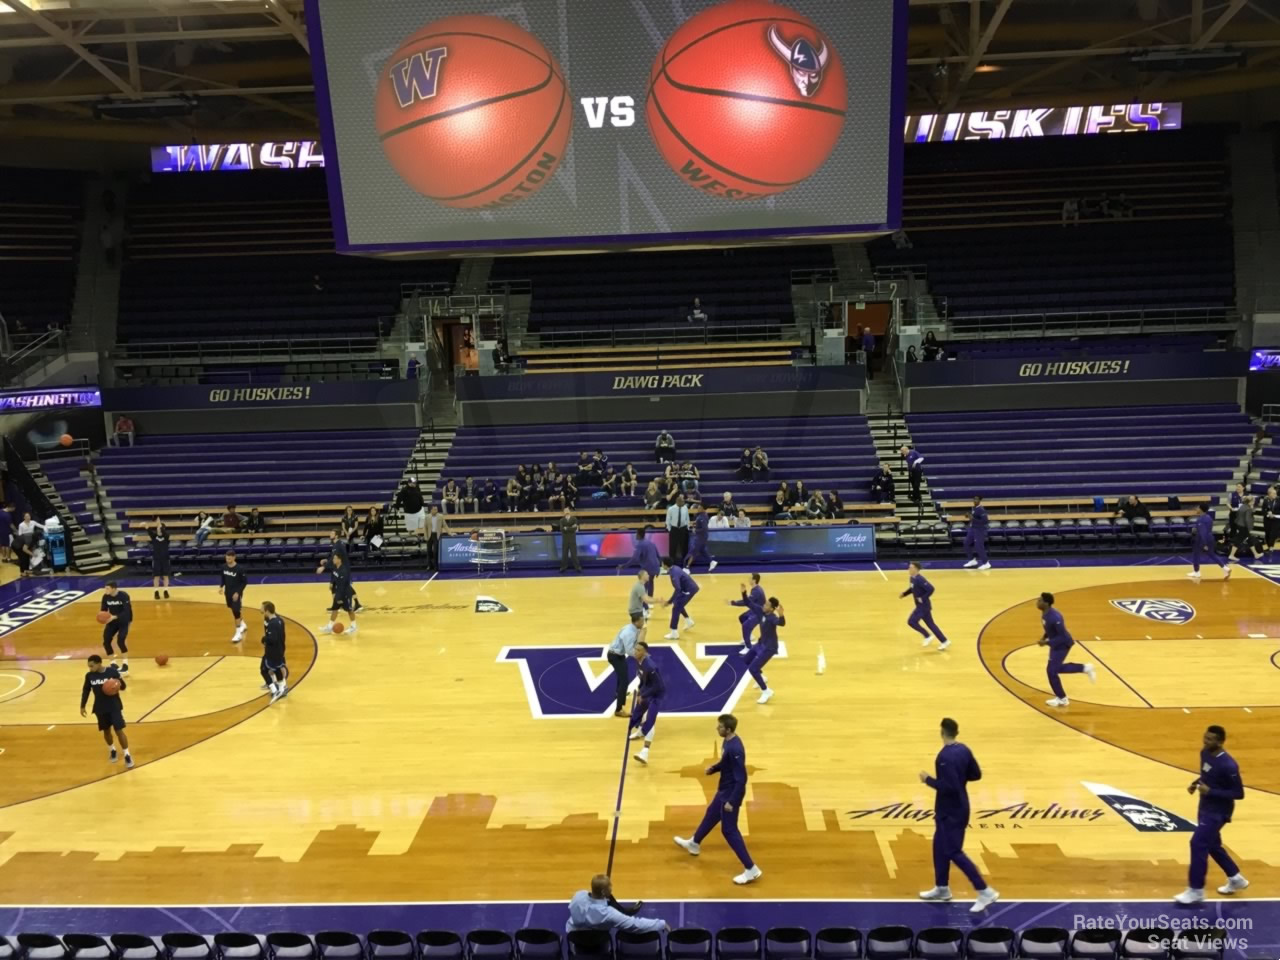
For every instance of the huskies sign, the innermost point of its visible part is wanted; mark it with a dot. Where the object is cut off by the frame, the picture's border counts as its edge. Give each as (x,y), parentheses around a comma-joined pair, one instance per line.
(578,681)
(1161,611)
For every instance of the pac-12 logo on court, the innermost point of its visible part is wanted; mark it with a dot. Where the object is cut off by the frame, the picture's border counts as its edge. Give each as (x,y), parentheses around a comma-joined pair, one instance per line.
(562,682)
(1161,611)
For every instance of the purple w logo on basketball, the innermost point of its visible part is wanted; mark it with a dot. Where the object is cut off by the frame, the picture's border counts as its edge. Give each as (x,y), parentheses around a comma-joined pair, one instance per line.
(576,681)
(417,77)
(1161,611)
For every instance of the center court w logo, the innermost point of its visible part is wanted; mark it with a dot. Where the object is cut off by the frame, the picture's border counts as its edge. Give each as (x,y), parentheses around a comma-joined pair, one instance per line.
(565,682)
(1161,611)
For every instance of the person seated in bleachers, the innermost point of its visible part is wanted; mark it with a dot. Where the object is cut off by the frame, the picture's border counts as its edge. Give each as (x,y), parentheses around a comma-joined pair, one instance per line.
(799,494)
(1242,533)
(539,495)
(1134,512)
(599,464)
(1071,211)
(490,497)
(664,448)
(449,497)
(124,428)
(555,493)
(741,521)
(653,495)
(375,530)
(254,523)
(759,464)
(744,465)
(609,483)
(584,468)
(882,485)
(835,506)
(349,523)
(551,469)
(696,313)
(512,501)
(781,506)
(689,478)
(204,526)
(930,347)
(816,506)
(570,491)
(911,355)
(469,495)
(718,520)
(628,481)
(524,492)
(727,506)
(785,489)
(231,520)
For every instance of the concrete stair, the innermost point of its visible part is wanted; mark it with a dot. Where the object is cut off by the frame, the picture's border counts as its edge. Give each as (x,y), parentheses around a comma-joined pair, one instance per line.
(918,524)
(91,548)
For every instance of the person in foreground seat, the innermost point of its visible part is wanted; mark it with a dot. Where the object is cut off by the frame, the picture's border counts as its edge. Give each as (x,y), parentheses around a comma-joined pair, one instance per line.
(596,909)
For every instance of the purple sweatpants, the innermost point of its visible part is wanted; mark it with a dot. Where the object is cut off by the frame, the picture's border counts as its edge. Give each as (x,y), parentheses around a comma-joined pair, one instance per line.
(716,813)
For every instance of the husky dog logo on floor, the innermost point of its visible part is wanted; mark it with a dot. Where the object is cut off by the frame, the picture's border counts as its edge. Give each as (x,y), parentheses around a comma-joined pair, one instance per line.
(490,605)
(1141,815)
(1161,611)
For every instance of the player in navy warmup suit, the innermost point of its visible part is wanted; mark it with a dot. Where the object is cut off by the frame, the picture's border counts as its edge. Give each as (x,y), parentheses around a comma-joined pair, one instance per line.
(274,670)
(1219,786)
(646,557)
(922,591)
(648,702)
(1202,544)
(750,618)
(771,618)
(975,538)
(1059,643)
(684,591)
(954,770)
(701,531)
(725,805)
(116,603)
(107,710)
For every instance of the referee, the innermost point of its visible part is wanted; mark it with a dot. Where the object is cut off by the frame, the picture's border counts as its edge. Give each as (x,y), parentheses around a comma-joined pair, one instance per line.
(620,651)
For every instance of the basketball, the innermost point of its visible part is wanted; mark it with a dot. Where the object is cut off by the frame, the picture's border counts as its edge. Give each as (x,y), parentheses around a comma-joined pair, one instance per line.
(473,111)
(111,687)
(746,99)
(66,439)
(162,660)
(104,617)
(338,626)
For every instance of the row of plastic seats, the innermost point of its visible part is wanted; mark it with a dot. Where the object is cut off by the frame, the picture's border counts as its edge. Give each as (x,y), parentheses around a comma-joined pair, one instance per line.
(892,942)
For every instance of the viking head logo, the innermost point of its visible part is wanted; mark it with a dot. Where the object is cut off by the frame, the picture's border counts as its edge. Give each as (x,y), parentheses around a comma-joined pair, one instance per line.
(806,63)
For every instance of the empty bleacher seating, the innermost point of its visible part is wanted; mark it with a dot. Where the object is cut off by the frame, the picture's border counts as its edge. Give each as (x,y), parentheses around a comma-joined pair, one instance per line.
(40,213)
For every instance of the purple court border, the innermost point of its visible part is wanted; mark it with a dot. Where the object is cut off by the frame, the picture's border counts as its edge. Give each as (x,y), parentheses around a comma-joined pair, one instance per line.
(333,178)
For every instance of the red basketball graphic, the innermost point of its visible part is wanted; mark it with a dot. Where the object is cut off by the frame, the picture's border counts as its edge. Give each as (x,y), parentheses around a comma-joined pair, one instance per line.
(473,112)
(746,99)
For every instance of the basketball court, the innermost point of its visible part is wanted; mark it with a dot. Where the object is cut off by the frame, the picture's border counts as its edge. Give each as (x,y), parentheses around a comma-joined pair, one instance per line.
(469,721)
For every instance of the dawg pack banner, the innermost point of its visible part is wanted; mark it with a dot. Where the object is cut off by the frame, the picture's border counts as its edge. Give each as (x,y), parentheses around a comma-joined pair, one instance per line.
(465,123)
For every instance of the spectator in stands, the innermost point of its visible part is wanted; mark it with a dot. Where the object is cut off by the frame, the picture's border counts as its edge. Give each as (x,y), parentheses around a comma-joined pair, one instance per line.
(930,347)
(348,524)
(653,495)
(696,313)
(1242,536)
(689,479)
(678,528)
(449,497)
(524,477)
(612,482)
(6,533)
(744,465)
(555,493)
(1122,207)
(491,497)
(204,527)
(1134,512)
(584,468)
(869,349)
(816,506)
(123,428)
(799,494)
(411,369)
(915,468)
(599,464)
(629,480)
(437,527)
(570,492)
(598,910)
(254,522)
(664,448)
(1270,519)
(569,541)
(375,530)
(781,504)
(900,240)
(317,284)
(719,520)
(231,520)
(727,506)
(540,489)
(742,521)
(911,355)
(512,502)
(469,496)
(835,506)
(409,501)
(759,464)
(882,485)
(1071,211)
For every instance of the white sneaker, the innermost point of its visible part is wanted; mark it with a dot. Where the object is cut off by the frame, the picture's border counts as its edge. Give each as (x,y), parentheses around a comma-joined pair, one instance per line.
(1190,895)
(1058,701)
(746,876)
(1091,672)
(635,734)
(687,570)
(693,849)
(744,651)
(352,628)
(1226,573)
(985,899)
(937,893)
(327,628)
(671,635)
(943,645)
(1194,574)
(643,757)
(766,696)
(275,695)
(1233,885)
(985,566)
(926,641)
(689,624)
(968,566)
(237,637)
(714,564)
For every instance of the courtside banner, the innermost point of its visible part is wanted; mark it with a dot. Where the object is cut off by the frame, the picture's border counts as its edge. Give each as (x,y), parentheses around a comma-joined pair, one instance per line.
(128,399)
(458,124)
(1169,366)
(675,382)
(761,544)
